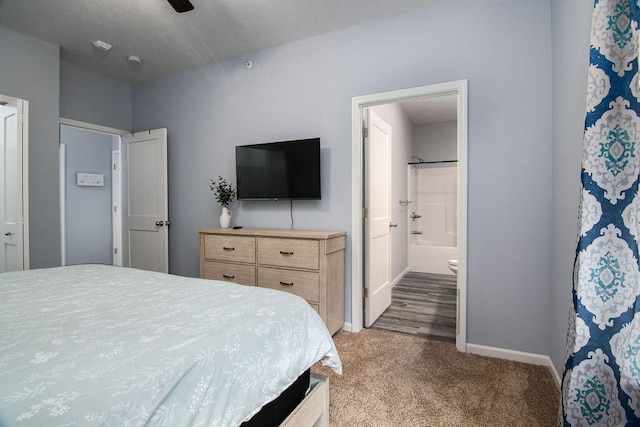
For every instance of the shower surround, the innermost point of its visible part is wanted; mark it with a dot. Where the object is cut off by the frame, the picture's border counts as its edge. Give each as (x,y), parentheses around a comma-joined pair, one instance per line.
(432,217)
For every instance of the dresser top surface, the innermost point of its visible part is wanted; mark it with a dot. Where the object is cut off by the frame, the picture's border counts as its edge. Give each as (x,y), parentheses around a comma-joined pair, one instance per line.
(274,232)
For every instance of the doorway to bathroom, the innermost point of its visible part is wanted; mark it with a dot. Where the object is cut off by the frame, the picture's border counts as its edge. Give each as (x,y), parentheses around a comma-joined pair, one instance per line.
(423,301)
(441,164)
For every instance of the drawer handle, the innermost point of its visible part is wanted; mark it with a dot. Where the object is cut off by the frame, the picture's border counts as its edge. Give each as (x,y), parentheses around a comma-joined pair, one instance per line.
(286,284)
(226,248)
(286,252)
(226,276)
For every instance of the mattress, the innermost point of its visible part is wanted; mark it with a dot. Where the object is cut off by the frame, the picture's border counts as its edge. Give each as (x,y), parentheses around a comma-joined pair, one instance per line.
(275,412)
(102,345)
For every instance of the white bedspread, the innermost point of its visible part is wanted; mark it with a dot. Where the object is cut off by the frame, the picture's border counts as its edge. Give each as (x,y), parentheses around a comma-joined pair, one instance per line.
(100,345)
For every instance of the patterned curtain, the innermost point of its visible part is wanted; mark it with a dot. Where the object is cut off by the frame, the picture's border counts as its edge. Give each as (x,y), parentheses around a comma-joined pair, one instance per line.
(601,380)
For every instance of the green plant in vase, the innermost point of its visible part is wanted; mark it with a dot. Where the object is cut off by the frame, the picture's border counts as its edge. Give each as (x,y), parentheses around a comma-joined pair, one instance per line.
(224,193)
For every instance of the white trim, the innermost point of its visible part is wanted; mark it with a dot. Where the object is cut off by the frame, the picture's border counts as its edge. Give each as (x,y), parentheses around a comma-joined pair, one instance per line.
(399,276)
(358,104)
(116,207)
(6,99)
(23,110)
(555,373)
(502,353)
(62,167)
(463,164)
(347,327)
(91,126)
(516,356)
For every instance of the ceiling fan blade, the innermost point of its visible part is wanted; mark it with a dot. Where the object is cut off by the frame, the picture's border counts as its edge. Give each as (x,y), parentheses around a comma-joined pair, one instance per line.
(181,6)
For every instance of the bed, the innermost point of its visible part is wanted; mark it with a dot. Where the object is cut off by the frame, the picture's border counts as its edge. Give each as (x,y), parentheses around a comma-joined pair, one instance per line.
(101,345)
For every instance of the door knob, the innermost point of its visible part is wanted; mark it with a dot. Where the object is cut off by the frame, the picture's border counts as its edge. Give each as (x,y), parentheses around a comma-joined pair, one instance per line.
(159,223)
(8,233)
(393,224)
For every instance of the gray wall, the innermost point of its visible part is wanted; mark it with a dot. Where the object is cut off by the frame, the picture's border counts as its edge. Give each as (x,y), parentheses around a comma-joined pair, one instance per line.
(571,27)
(305,89)
(402,145)
(29,70)
(436,141)
(88,237)
(93,98)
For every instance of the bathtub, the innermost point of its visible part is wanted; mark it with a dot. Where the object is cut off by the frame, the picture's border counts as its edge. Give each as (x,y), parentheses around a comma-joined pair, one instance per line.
(424,258)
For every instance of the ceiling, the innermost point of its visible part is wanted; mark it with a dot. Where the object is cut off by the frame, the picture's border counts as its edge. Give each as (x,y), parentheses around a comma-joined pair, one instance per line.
(168,42)
(432,109)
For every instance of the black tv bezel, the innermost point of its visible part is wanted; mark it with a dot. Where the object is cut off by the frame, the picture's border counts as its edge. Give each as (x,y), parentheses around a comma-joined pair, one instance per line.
(274,143)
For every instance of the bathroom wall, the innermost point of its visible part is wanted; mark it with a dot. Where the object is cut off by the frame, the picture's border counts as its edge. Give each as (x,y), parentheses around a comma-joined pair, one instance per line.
(434,198)
(436,141)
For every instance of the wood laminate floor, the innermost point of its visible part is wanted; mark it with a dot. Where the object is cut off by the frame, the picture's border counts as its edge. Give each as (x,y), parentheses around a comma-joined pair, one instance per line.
(422,304)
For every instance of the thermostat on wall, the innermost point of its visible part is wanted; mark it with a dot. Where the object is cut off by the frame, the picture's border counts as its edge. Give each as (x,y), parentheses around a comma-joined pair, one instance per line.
(89,179)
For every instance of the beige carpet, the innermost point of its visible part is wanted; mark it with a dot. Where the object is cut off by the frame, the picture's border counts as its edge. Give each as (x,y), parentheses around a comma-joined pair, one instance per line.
(391,379)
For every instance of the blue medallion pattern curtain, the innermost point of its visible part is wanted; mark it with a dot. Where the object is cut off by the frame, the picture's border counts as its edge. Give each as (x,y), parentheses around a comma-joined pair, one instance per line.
(601,379)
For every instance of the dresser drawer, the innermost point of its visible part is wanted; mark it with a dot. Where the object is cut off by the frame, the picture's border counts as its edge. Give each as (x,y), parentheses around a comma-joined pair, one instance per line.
(297,253)
(307,263)
(302,283)
(230,248)
(236,273)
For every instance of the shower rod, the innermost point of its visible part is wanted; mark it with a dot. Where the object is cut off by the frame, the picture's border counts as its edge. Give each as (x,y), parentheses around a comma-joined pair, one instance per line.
(426,163)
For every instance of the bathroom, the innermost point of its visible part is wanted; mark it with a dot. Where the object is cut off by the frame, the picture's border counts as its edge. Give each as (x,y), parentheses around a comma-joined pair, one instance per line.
(424,241)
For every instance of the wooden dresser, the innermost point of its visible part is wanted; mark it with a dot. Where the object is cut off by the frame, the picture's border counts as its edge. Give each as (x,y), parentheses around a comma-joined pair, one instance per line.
(309,264)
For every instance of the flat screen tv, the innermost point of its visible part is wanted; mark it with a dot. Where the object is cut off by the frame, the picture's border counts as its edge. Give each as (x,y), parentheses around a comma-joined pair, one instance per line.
(288,170)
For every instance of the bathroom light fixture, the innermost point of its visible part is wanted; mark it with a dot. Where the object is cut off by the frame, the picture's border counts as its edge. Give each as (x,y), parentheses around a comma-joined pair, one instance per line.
(134,60)
(103,46)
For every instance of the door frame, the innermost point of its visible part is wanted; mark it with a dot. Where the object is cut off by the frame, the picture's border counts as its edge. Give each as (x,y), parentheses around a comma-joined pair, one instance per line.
(116,206)
(117,237)
(23,141)
(359,103)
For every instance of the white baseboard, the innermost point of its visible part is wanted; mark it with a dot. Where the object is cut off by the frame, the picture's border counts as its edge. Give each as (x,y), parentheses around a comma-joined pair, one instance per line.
(347,327)
(395,281)
(554,372)
(516,356)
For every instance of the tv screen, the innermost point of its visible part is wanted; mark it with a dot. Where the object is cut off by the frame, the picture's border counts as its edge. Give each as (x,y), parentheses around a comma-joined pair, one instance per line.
(279,170)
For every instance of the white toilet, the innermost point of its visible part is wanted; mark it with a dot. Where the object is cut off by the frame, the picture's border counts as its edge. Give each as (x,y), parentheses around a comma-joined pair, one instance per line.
(453,265)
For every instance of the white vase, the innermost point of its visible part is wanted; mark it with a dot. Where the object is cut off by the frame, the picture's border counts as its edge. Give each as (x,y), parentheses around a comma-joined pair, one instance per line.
(225,218)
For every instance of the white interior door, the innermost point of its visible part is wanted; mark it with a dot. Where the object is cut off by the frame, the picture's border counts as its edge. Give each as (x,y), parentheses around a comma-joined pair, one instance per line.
(11,187)
(378,221)
(144,201)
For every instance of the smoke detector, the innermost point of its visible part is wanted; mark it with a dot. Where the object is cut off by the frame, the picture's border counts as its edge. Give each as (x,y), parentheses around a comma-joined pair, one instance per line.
(103,46)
